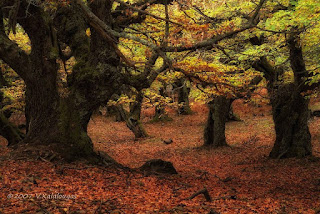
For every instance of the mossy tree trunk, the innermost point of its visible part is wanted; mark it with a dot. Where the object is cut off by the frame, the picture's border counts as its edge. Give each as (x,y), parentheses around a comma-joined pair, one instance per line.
(214,133)
(54,124)
(40,74)
(289,106)
(290,114)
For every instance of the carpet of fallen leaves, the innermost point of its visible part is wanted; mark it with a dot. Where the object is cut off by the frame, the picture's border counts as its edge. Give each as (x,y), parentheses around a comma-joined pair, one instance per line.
(239,178)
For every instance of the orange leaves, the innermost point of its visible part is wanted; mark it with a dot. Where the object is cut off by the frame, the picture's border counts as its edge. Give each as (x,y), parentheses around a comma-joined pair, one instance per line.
(201,71)
(239,179)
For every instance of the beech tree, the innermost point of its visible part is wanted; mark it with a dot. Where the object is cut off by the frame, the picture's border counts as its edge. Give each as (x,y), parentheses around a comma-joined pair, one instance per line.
(58,120)
(280,49)
(289,105)
(59,123)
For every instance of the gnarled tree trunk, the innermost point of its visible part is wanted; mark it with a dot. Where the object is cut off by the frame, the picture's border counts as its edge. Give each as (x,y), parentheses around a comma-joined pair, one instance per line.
(214,133)
(290,115)
(54,124)
(289,106)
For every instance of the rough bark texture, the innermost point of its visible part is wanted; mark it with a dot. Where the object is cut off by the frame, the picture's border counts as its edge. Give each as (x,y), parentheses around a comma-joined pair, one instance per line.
(54,123)
(214,133)
(95,76)
(42,99)
(290,115)
(289,107)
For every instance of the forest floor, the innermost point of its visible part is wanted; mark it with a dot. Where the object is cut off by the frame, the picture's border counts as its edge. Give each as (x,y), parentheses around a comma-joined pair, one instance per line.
(240,178)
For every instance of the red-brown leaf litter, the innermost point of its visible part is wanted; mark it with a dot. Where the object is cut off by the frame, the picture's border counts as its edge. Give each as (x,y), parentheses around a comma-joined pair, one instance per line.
(240,178)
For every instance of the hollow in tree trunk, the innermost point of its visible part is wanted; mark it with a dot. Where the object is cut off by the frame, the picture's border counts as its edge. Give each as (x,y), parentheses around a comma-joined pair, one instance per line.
(214,133)
(290,115)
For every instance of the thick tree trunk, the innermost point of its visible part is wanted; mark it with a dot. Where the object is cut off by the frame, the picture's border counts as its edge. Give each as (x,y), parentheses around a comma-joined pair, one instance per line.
(290,115)
(58,124)
(133,121)
(73,129)
(54,124)
(289,107)
(42,102)
(214,133)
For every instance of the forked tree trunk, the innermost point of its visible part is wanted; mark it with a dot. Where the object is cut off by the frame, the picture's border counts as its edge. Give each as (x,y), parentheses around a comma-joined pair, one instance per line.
(214,133)
(290,115)
(54,123)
